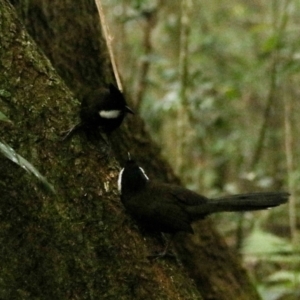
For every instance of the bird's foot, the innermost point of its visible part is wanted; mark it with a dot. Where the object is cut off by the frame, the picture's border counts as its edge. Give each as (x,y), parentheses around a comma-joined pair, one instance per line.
(159,255)
(105,151)
(69,133)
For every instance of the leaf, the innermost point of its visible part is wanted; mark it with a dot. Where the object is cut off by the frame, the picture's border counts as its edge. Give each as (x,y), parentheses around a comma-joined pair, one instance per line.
(10,153)
(265,243)
(271,44)
(284,276)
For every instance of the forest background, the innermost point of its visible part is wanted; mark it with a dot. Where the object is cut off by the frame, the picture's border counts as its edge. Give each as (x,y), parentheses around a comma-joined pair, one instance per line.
(218,85)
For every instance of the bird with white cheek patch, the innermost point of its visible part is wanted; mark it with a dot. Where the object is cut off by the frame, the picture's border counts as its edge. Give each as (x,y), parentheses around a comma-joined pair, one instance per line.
(103,108)
(168,208)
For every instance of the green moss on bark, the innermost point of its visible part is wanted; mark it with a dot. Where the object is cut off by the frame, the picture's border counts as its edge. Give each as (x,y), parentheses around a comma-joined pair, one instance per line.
(77,244)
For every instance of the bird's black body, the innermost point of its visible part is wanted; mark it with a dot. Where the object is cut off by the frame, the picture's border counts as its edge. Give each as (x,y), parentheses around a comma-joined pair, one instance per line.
(169,208)
(103,108)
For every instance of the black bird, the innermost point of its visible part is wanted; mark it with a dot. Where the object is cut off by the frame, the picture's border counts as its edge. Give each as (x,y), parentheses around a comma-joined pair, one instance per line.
(103,108)
(168,208)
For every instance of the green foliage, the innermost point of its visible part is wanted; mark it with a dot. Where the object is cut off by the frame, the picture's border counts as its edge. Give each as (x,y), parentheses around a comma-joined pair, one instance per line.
(281,285)
(261,243)
(244,63)
(261,249)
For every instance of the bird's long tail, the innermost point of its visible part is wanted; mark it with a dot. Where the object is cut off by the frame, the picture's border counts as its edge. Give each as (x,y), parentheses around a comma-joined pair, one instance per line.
(243,202)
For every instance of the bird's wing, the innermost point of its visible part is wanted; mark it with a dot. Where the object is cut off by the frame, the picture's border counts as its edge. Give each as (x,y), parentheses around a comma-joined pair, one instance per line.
(161,213)
(185,196)
(172,216)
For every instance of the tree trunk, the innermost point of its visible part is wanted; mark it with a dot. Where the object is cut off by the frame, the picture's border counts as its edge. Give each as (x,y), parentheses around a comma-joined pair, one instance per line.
(80,244)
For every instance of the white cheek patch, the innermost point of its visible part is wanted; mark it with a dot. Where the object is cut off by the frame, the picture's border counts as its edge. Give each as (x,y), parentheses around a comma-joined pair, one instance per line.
(109,114)
(120,180)
(144,173)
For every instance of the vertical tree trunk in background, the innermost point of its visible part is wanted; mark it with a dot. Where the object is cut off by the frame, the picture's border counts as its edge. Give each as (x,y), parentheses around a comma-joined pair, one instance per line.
(80,245)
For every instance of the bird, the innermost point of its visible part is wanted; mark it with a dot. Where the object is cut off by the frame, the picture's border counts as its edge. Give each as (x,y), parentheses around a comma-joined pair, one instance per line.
(103,108)
(169,208)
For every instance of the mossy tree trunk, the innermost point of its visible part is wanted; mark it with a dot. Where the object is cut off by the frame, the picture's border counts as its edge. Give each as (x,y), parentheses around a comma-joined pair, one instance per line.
(80,244)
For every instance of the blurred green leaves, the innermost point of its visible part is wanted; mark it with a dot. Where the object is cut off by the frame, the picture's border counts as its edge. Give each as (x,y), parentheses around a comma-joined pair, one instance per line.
(262,243)
(241,57)
(262,247)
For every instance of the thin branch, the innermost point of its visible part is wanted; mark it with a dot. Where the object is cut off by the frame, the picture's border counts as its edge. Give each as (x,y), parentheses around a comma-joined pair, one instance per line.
(264,126)
(183,117)
(290,167)
(108,39)
(278,30)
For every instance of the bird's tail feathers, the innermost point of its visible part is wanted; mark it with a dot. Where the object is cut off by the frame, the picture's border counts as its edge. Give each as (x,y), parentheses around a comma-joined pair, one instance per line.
(243,202)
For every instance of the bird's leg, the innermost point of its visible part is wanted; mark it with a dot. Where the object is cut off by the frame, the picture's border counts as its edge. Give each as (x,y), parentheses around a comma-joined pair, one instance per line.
(165,252)
(105,138)
(104,144)
(70,132)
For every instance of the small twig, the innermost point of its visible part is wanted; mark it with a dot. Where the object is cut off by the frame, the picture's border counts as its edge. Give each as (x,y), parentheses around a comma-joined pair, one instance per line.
(108,39)
(290,167)
(279,29)
(264,126)
(183,113)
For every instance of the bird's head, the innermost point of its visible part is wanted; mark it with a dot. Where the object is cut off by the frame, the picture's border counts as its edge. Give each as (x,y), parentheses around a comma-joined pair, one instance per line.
(132,177)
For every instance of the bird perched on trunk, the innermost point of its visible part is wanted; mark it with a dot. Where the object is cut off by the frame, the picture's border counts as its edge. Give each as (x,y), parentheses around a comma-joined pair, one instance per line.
(103,108)
(168,208)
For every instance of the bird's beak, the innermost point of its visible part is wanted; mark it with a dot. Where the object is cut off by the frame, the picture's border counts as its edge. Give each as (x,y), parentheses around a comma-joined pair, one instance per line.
(129,110)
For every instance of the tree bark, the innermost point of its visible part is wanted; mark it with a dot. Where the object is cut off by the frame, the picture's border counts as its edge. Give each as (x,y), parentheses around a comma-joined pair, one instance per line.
(80,244)
(77,244)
